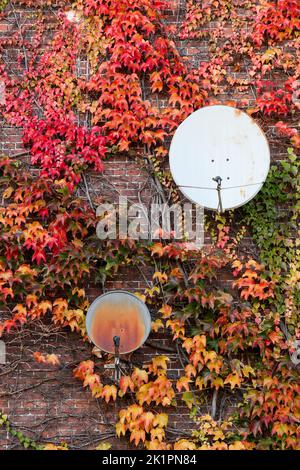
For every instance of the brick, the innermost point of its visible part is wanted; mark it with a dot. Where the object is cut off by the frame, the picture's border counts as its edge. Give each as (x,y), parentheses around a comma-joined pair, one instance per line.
(62,408)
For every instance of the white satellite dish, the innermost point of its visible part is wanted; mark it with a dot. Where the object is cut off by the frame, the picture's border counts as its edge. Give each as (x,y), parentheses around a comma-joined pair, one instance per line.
(219,158)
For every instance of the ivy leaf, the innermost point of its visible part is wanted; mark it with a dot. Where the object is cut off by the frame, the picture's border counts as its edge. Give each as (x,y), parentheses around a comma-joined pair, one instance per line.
(218,383)
(146,420)
(103,446)
(126,383)
(157,433)
(157,325)
(188,398)
(184,444)
(120,429)
(183,383)
(137,436)
(109,392)
(139,376)
(51,359)
(161,420)
(166,311)
(234,380)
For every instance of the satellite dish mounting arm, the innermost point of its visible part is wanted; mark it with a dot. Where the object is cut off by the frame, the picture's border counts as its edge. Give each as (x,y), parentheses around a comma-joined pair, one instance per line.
(218,180)
(117,357)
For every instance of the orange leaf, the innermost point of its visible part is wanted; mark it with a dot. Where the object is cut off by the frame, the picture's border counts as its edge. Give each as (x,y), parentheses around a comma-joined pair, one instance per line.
(147,420)
(157,433)
(109,391)
(91,380)
(234,380)
(156,325)
(166,311)
(139,376)
(46,359)
(184,444)
(183,383)
(159,363)
(161,420)
(84,368)
(137,436)
(161,277)
(125,384)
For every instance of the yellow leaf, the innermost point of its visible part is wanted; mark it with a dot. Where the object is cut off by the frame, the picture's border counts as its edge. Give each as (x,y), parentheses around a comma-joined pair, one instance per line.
(77,243)
(103,446)
(79,292)
(159,362)
(157,433)
(218,435)
(210,356)
(184,444)
(200,341)
(147,420)
(54,447)
(120,429)
(91,380)
(26,270)
(234,380)
(97,391)
(238,445)
(161,277)
(183,383)
(218,382)
(125,384)
(139,376)
(247,370)
(190,371)
(44,306)
(8,192)
(161,420)
(188,344)
(52,359)
(156,325)
(137,436)
(142,297)
(166,311)
(280,429)
(199,383)
(154,444)
(109,391)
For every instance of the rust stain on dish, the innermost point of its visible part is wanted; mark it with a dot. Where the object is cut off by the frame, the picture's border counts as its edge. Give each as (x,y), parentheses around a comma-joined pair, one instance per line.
(121,319)
(237,112)
(243,192)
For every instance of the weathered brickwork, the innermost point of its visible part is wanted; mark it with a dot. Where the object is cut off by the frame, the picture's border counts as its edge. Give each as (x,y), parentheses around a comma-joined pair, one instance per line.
(51,405)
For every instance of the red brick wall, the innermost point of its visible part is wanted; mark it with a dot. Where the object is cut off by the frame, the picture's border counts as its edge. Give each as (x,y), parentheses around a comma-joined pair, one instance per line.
(51,406)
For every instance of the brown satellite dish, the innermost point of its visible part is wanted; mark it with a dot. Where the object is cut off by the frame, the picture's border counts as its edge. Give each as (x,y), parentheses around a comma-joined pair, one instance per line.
(118,319)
